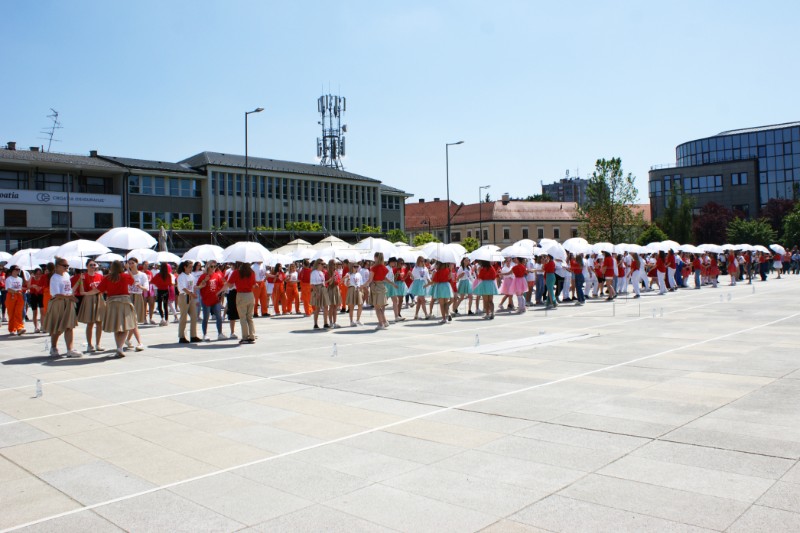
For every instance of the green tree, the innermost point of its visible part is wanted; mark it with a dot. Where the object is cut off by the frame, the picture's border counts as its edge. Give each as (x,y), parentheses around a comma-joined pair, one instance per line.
(396,235)
(183,223)
(751,232)
(303,225)
(608,213)
(539,198)
(651,233)
(791,227)
(470,243)
(424,238)
(366,228)
(676,220)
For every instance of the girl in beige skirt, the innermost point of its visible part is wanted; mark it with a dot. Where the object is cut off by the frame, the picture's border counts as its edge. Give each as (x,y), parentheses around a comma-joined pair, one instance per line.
(319,293)
(93,305)
(60,317)
(354,297)
(120,317)
(334,296)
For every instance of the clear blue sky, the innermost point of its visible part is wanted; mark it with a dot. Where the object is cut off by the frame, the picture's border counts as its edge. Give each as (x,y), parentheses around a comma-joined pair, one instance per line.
(533,88)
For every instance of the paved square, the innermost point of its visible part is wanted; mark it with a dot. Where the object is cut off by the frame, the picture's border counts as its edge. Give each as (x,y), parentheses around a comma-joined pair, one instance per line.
(667,413)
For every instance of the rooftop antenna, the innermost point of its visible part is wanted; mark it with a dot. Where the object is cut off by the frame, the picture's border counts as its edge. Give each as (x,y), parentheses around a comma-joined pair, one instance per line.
(51,131)
(330,147)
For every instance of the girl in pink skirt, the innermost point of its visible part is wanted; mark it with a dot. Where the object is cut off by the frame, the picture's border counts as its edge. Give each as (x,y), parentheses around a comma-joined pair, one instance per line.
(507,279)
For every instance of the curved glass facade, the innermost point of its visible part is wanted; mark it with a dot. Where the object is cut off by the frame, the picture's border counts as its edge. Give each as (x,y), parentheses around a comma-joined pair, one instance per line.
(776,148)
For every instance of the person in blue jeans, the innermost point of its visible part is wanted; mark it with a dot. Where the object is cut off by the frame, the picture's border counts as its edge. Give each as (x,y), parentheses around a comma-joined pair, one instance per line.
(576,265)
(210,284)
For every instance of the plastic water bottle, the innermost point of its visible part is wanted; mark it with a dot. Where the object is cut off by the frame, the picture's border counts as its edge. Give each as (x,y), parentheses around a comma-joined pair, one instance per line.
(654,313)
(38,388)
(662,312)
(541,332)
(335,351)
(47,344)
(477,340)
(730,297)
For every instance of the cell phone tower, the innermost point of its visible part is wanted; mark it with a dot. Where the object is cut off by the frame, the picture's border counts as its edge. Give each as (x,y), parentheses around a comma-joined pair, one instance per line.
(330,147)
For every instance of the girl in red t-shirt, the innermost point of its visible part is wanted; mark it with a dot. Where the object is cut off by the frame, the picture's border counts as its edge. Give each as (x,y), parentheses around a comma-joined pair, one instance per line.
(377,293)
(442,291)
(120,315)
(486,287)
(92,308)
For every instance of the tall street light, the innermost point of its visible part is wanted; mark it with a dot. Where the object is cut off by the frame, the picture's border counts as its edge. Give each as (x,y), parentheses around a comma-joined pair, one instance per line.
(248,219)
(480,212)
(447,171)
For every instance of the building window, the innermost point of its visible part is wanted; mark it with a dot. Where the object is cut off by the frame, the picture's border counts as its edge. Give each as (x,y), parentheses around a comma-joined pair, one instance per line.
(133,185)
(159,188)
(51,182)
(739,178)
(10,179)
(469,234)
(539,233)
(486,235)
(134,219)
(230,185)
(524,233)
(574,232)
(556,233)
(146,185)
(59,219)
(506,234)
(16,218)
(147,220)
(103,220)
(743,208)
(238,185)
(455,236)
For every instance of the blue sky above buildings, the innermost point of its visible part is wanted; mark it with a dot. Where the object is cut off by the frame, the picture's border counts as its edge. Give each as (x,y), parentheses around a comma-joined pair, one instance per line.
(533,88)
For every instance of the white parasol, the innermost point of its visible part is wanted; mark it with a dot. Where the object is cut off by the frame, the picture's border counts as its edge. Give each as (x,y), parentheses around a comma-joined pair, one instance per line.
(109,257)
(167,257)
(143,254)
(777,248)
(517,250)
(81,248)
(127,239)
(245,252)
(204,252)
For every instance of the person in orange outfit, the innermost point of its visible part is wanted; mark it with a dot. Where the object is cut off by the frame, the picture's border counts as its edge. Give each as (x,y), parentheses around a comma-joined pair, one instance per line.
(277,277)
(15,301)
(341,270)
(260,290)
(292,296)
(48,272)
(304,278)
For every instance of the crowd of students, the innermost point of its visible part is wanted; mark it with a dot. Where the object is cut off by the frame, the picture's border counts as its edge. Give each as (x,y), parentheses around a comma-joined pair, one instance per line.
(129,294)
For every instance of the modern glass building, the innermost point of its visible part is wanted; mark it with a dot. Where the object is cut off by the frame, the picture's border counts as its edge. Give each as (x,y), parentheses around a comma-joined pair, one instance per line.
(741,169)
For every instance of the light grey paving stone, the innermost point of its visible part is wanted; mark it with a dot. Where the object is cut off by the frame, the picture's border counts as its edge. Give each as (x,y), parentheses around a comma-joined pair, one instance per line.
(309,481)
(784,496)
(759,519)
(565,456)
(751,429)
(670,504)
(746,464)
(271,439)
(730,441)
(319,518)
(20,433)
(403,447)
(509,526)
(75,523)
(165,511)
(793,475)
(360,463)
(239,498)
(611,424)
(255,412)
(482,421)
(466,490)
(403,511)
(504,469)
(689,478)
(584,438)
(557,513)
(95,482)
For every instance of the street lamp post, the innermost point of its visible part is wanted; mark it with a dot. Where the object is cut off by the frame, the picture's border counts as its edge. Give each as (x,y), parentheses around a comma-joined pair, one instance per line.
(480,212)
(248,219)
(447,172)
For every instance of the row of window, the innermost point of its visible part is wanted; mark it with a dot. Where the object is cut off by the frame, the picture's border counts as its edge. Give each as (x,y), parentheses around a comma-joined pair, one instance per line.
(11,179)
(149,219)
(18,218)
(390,202)
(388,225)
(159,185)
(455,236)
(739,146)
(235,219)
(695,185)
(228,184)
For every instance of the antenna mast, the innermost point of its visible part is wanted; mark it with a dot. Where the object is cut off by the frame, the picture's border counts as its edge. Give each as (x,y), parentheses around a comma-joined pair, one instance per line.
(51,131)
(330,147)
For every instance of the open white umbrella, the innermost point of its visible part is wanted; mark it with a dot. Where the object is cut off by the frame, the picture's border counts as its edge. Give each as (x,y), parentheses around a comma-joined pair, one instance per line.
(484,253)
(556,251)
(143,254)
(127,239)
(527,243)
(25,262)
(167,257)
(81,248)
(744,247)
(777,248)
(517,250)
(76,262)
(245,252)
(204,252)
(408,256)
(670,245)
(760,248)
(577,245)
(303,253)
(326,254)
(605,247)
(332,242)
(5,256)
(274,259)
(109,257)
(46,255)
(446,253)
(545,242)
(375,245)
(713,248)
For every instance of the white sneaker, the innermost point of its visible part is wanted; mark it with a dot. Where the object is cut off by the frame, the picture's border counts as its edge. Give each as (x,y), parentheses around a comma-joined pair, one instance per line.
(99,348)
(206,339)
(54,352)
(163,323)
(140,348)
(233,336)
(352,324)
(358,323)
(74,354)
(221,337)
(89,349)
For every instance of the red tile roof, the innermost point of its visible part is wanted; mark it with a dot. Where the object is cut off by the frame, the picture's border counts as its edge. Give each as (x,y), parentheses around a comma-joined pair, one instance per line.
(424,215)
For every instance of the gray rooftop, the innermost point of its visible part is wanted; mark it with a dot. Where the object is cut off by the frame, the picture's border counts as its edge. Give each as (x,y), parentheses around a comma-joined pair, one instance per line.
(275,165)
(54,158)
(145,164)
(760,128)
(394,190)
